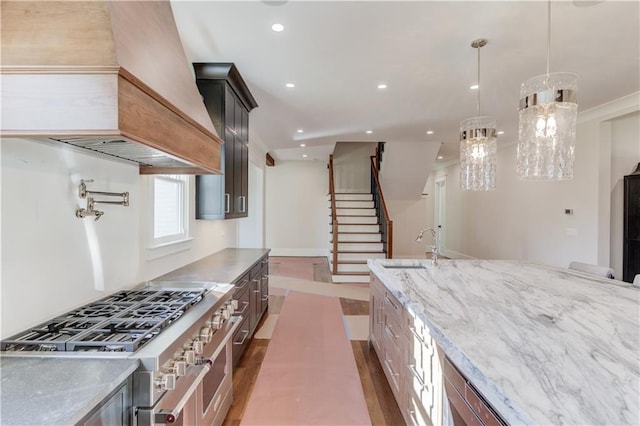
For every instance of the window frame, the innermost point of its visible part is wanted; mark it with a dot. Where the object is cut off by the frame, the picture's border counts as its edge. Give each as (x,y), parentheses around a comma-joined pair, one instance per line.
(177,238)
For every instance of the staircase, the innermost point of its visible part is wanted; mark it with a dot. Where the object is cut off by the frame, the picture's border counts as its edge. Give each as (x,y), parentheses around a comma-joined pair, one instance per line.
(359,236)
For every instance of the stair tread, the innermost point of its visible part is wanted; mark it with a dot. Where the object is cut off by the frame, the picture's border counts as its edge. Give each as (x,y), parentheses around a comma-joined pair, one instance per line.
(357,224)
(359,251)
(353,232)
(358,242)
(351,273)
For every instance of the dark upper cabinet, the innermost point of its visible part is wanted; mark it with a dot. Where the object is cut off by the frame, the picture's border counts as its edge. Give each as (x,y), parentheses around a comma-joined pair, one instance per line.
(228,102)
(631,242)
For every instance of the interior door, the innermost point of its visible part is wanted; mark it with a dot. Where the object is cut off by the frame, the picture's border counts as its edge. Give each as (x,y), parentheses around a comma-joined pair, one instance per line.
(440,212)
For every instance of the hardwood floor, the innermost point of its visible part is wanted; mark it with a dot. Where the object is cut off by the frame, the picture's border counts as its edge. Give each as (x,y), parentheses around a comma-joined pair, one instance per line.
(382,406)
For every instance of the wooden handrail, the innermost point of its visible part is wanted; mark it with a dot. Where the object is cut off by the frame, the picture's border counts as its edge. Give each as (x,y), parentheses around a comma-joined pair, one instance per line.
(389,222)
(334,217)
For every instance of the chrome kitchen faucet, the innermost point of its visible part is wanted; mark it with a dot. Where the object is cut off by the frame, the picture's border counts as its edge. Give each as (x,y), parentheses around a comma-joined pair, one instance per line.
(434,245)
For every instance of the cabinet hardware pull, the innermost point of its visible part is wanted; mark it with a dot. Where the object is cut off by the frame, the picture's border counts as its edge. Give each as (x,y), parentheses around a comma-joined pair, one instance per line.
(245,305)
(243,199)
(241,342)
(226,203)
(415,333)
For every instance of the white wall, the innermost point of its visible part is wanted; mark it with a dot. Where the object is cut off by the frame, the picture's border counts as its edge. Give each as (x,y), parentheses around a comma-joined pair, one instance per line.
(409,217)
(297,209)
(525,220)
(352,166)
(52,261)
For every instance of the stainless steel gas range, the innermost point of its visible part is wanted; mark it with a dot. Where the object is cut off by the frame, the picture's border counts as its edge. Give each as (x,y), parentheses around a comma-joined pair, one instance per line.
(180,333)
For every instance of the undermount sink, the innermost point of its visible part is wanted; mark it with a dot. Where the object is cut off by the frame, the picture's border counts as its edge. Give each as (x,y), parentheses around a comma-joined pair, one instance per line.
(404,266)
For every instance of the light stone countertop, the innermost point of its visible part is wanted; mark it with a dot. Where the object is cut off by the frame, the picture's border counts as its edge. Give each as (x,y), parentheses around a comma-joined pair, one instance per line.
(57,391)
(223,266)
(543,345)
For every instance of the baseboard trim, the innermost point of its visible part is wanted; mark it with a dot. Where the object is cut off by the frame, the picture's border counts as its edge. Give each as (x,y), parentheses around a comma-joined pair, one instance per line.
(302,252)
(456,255)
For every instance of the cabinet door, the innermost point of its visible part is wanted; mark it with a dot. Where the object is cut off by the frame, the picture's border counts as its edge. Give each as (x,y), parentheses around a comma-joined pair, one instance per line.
(631,238)
(229,108)
(238,118)
(211,199)
(244,130)
(114,410)
(240,177)
(244,182)
(229,154)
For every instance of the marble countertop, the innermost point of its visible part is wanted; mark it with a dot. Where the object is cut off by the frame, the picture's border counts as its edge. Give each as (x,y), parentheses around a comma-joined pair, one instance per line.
(223,266)
(57,391)
(544,345)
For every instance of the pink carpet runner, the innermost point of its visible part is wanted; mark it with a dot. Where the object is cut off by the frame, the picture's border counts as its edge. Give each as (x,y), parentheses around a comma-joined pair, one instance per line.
(309,375)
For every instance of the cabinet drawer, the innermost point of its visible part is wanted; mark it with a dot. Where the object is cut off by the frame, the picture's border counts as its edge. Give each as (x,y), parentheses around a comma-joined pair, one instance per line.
(418,413)
(479,406)
(243,301)
(459,407)
(241,284)
(240,340)
(392,366)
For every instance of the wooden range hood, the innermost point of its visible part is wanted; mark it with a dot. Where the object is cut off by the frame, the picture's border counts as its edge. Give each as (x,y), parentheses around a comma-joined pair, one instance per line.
(108,76)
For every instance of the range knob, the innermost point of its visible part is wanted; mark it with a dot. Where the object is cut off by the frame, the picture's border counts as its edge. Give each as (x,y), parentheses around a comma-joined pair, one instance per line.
(227,311)
(204,336)
(179,368)
(198,346)
(216,321)
(166,381)
(190,356)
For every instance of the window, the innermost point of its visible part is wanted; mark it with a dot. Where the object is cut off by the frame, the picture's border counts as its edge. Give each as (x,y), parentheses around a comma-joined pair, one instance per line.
(170,209)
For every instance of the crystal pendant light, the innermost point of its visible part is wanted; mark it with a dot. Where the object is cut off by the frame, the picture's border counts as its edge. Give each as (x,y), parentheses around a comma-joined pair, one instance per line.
(478,145)
(547,129)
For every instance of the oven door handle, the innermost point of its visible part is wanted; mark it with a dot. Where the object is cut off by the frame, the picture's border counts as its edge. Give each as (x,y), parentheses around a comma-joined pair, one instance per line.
(170,416)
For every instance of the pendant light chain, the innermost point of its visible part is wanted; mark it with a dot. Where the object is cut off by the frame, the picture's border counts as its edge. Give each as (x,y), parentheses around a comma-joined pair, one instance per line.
(479,80)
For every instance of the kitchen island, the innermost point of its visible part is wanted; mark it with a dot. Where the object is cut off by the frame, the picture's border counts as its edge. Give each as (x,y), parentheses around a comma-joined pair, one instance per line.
(541,345)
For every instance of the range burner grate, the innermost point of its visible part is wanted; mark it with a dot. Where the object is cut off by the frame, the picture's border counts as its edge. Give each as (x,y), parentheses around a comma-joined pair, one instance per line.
(121,322)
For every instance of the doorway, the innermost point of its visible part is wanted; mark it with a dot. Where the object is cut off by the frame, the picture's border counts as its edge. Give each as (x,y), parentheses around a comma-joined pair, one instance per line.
(439,214)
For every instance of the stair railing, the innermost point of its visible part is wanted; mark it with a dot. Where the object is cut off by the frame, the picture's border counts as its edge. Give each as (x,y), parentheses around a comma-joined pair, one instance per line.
(386,224)
(334,217)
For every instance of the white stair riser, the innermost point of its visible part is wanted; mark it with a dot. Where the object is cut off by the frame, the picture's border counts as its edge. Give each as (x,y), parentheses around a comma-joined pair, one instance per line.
(355,212)
(356,204)
(359,237)
(359,197)
(350,278)
(359,246)
(356,228)
(360,256)
(351,267)
(356,219)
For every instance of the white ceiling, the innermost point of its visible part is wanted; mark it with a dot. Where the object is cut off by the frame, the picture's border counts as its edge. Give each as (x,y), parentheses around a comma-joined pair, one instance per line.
(338,52)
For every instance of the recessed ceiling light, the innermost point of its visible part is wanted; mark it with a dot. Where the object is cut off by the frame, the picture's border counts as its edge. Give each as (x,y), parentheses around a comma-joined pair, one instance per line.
(277,27)
(290,85)
(440,157)
(501,132)
(303,145)
(474,87)
(300,131)
(382,86)
(369,132)
(429,132)
(304,155)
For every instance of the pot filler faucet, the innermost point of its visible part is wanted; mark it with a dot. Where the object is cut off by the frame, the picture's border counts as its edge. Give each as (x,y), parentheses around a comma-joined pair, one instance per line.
(434,245)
